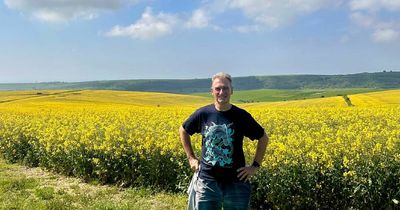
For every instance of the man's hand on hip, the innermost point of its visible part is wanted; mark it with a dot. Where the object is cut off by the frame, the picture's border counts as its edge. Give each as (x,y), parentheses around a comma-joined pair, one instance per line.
(194,164)
(245,173)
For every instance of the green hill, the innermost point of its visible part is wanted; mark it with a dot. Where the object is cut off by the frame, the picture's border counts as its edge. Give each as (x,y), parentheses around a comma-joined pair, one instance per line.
(361,80)
(378,80)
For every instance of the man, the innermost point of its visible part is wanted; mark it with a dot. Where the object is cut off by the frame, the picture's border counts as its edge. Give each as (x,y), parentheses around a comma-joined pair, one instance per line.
(222,174)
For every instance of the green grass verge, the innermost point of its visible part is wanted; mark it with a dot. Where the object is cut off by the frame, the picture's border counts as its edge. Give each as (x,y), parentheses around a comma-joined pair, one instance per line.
(33,188)
(271,95)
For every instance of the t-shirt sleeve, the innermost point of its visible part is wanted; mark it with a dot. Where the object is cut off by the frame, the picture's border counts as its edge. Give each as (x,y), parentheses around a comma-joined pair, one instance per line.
(253,130)
(192,125)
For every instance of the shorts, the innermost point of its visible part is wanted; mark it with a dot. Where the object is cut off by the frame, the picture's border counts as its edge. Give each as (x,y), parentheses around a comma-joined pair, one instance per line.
(212,195)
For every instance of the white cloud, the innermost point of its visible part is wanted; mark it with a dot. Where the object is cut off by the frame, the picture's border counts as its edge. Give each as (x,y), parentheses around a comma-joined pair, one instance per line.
(374,5)
(275,13)
(64,10)
(386,35)
(265,14)
(148,27)
(199,19)
(367,14)
(363,4)
(363,20)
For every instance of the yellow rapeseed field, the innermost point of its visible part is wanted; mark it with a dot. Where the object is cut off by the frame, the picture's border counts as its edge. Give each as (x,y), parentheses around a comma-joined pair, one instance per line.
(322,152)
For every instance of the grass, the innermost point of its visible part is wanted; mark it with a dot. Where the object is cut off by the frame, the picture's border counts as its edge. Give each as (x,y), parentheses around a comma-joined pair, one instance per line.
(34,188)
(271,95)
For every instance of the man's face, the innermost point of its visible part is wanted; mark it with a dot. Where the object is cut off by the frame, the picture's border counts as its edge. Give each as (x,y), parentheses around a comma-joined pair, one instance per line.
(221,90)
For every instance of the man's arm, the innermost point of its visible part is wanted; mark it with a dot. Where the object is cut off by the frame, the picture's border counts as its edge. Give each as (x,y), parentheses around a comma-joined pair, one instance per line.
(261,147)
(187,146)
(248,171)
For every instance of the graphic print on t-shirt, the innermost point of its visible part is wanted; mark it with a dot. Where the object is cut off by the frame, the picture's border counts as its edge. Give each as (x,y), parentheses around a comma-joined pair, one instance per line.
(218,144)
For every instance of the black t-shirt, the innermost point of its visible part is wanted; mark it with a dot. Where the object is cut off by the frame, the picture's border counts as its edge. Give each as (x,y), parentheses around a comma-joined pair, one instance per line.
(222,140)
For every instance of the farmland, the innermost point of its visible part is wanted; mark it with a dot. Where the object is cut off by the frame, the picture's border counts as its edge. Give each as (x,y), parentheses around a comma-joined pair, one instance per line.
(273,95)
(322,152)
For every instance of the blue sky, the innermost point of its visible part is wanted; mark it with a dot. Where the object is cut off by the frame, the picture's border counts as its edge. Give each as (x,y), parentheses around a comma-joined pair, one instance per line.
(76,40)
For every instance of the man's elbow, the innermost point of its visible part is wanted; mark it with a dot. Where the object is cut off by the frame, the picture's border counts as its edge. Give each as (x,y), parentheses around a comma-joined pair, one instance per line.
(264,138)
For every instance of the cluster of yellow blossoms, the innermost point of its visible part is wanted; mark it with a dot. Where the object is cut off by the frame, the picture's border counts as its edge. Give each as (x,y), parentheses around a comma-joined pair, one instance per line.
(323,155)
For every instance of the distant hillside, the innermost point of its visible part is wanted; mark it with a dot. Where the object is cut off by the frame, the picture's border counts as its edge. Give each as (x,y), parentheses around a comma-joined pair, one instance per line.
(362,80)
(379,80)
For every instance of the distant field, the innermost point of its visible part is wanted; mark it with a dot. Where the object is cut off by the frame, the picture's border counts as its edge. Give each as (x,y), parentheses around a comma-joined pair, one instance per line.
(10,96)
(389,97)
(101,97)
(251,98)
(373,99)
(272,95)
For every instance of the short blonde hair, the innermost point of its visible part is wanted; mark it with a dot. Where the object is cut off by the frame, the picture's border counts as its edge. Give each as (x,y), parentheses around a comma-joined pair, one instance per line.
(222,75)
